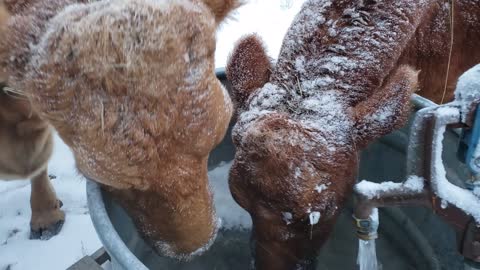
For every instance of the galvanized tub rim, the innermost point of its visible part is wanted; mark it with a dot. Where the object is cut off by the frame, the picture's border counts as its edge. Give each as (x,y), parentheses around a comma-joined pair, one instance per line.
(111,240)
(106,231)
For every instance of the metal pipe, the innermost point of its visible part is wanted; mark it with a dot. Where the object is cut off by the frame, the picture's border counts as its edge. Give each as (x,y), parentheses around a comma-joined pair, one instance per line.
(428,126)
(401,196)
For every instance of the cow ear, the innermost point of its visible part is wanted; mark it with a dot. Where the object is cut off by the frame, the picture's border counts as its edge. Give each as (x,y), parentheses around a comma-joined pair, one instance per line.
(222,8)
(248,68)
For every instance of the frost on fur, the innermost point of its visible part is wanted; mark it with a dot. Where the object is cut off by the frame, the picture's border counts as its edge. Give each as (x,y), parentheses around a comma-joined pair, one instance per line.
(343,78)
(130,87)
(248,68)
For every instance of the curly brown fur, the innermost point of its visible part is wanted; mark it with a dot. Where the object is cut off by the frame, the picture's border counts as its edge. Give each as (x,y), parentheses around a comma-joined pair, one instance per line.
(25,28)
(343,78)
(249,48)
(222,8)
(131,89)
(428,50)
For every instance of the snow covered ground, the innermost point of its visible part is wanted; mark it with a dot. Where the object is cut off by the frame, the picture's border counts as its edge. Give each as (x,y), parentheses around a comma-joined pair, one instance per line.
(77,238)
(269,18)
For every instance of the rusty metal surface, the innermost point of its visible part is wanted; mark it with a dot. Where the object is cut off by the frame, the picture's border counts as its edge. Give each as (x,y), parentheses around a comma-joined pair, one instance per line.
(92,262)
(420,162)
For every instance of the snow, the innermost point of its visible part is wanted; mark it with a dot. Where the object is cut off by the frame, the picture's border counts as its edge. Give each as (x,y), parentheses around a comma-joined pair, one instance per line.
(320,188)
(78,237)
(413,184)
(257,16)
(167,250)
(287,217)
(443,204)
(463,199)
(314,217)
(476,191)
(468,90)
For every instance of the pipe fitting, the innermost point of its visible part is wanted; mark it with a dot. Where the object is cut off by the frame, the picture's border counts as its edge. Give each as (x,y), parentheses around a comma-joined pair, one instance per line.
(367,229)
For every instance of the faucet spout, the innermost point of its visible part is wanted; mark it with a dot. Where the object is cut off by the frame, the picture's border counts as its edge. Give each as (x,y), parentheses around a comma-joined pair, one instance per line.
(367,227)
(369,196)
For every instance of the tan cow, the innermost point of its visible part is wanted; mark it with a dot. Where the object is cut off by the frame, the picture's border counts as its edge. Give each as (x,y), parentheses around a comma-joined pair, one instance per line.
(130,87)
(25,147)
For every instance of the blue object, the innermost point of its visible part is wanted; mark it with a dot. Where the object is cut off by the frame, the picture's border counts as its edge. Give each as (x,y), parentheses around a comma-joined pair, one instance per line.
(472,138)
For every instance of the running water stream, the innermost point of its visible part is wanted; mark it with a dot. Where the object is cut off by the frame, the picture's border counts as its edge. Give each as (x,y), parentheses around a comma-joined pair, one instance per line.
(367,253)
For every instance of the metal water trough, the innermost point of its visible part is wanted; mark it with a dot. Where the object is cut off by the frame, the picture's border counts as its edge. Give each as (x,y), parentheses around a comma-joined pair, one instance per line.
(409,238)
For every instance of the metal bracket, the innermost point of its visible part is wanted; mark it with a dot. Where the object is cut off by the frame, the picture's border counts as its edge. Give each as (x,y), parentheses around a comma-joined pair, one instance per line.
(425,156)
(92,262)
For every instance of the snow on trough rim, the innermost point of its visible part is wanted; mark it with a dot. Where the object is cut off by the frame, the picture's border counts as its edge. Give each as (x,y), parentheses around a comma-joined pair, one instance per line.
(78,237)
